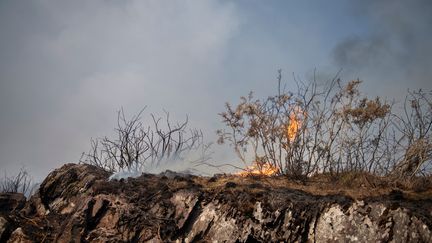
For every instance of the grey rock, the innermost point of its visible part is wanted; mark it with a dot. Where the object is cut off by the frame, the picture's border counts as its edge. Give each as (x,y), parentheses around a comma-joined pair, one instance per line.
(77,203)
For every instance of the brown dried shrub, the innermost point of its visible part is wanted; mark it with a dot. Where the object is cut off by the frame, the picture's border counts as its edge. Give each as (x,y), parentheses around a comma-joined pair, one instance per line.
(336,130)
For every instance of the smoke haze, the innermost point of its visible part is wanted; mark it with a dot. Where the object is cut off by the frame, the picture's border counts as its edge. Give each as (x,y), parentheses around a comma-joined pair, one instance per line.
(397,46)
(66,67)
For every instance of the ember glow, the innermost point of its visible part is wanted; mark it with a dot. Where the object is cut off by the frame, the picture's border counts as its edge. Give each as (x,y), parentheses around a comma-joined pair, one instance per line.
(259,169)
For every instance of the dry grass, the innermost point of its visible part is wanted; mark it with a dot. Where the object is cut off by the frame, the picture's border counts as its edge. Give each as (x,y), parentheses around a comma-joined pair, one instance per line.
(354,185)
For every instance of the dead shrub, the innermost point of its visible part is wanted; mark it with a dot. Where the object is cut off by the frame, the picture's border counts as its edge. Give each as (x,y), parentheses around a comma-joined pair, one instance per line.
(331,128)
(20,183)
(136,145)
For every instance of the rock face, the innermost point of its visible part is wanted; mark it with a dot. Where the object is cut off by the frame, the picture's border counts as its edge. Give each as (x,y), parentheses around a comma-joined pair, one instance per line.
(11,202)
(77,203)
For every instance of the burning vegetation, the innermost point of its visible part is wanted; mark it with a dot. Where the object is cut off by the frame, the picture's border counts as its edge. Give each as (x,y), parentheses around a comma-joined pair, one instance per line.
(293,127)
(261,167)
(330,129)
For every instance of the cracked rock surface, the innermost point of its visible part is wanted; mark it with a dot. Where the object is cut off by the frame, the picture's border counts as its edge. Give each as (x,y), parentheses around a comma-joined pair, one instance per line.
(77,203)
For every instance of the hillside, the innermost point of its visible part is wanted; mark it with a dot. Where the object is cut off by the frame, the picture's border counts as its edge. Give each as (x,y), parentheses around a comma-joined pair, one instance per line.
(77,203)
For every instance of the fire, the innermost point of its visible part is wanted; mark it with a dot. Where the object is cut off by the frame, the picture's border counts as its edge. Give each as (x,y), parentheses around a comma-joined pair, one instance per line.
(259,169)
(294,124)
(263,168)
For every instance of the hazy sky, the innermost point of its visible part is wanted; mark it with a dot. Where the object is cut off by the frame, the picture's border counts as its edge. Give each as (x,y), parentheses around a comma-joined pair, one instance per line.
(66,67)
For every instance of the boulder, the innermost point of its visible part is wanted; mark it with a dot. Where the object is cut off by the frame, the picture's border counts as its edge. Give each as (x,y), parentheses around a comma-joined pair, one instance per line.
(77,203)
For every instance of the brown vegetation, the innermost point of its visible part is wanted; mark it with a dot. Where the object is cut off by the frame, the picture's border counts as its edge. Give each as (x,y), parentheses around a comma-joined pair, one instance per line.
(332,129)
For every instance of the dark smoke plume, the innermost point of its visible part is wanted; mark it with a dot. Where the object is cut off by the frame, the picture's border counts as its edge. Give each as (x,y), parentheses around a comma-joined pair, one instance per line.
(398,44)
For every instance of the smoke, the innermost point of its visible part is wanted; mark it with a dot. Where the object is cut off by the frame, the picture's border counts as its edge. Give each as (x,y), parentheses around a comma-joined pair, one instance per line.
(396,45)
(65,68)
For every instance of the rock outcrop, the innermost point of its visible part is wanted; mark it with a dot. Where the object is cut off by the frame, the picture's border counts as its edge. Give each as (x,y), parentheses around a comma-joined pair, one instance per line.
(77,203)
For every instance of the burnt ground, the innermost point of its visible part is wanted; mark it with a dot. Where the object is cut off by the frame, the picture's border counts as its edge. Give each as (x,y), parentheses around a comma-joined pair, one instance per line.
(75,200)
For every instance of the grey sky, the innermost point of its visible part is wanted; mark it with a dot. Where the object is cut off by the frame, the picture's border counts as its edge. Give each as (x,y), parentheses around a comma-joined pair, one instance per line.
(66,67)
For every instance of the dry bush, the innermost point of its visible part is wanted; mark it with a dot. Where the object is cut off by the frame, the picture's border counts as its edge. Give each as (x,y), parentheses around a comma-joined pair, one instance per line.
(19,183)
(414,145)
(137,146)
(330,128)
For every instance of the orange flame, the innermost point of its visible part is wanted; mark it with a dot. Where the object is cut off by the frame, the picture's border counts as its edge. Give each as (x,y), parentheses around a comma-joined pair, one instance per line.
(259,169)
(294,124)
(263,168)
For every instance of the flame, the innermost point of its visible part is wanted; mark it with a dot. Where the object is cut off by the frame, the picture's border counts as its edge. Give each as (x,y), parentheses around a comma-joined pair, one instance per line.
(294,124)
(263,168)
(259,169)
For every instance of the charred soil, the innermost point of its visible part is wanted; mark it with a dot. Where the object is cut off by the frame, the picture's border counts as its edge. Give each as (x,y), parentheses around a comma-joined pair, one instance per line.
(77,203)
